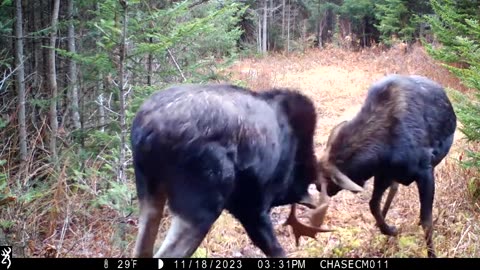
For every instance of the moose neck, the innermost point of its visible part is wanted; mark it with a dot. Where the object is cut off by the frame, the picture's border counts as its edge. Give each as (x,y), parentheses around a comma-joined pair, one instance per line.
(359,146)
(299,113)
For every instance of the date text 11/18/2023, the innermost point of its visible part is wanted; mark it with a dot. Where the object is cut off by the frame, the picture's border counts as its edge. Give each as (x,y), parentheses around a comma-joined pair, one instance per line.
(279,263)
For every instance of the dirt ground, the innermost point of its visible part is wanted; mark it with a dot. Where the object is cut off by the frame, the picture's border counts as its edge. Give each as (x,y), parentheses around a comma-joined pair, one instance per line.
(337,81)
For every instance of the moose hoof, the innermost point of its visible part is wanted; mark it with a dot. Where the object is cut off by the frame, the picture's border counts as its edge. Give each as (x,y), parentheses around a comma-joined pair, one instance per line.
(389,230)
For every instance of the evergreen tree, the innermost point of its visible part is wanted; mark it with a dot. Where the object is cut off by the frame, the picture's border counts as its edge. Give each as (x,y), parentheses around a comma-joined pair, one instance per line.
(361,15)
(395,20)
(400,19)
(456,26)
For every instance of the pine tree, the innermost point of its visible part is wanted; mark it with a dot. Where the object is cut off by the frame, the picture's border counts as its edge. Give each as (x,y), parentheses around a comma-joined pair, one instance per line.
(456,26)
(395,20)
(360,13)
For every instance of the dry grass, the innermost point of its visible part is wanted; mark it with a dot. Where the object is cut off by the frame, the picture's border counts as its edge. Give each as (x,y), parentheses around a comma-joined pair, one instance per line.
(62,224)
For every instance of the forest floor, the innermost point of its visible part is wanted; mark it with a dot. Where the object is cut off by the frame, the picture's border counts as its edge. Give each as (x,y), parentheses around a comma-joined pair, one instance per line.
(337,81)
(65,224)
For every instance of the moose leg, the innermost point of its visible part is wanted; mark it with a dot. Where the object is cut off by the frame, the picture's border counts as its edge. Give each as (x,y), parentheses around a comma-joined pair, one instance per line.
(426,189)
(380,184)
(260,230)
(194,211)
(152,198)
(391,194)
(151,212)
(195,206)
(183,238)
(196,198)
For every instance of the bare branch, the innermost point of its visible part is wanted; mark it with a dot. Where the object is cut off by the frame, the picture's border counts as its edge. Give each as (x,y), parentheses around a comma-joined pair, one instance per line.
(176,64)
(6,76)
(107,108)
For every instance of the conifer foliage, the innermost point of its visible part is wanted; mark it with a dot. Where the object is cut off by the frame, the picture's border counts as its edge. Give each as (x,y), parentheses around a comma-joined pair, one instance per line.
(457,28)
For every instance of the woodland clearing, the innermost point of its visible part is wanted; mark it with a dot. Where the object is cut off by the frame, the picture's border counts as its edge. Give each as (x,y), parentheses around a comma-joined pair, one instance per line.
(337,81)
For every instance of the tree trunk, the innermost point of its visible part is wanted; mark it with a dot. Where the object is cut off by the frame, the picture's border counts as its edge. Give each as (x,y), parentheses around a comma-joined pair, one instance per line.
(20,82)
(294,23)
(288,27)
(320,33)
(264,35)
(152,6)
(304,31)
(270,40)
(283,19)
(259,34)
(150,64)
(52,81)
(121,73)
(39,69)
(321,26)
(100,101)
(72,68)
(101,86)
(363,33)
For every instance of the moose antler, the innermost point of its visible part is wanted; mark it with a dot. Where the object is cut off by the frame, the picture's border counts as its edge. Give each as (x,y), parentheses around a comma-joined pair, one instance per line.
(318,214)
(300,229)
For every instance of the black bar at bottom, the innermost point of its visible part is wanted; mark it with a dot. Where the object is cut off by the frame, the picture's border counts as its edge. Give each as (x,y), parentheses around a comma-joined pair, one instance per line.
(239,263)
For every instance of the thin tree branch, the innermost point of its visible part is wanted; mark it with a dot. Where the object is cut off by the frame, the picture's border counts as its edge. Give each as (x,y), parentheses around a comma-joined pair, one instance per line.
(108,109)
(176,64)
(6,76)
